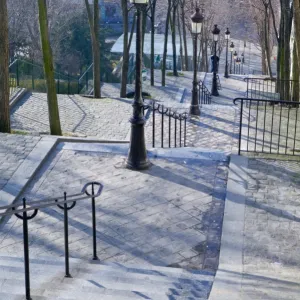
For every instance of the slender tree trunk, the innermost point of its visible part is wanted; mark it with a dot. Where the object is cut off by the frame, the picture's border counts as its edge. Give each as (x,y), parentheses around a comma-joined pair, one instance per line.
(297,27)
(267,41)
(180,41)
(164,62)
(54,121)
(125,61)
(186,56)
(296,74)
(153,9)
(173,26)
(94,28)
(4,72)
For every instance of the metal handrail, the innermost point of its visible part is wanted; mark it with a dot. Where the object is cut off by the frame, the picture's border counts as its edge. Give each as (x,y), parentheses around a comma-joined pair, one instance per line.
(282,130)
(204,93)
(87,70)
(21,211)
(170,114)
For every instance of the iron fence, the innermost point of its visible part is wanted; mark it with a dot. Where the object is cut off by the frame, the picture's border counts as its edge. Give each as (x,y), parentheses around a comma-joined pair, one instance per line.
(12,85)
(272,89)
(169,127)
(204,93)
(268,127)
(65,203)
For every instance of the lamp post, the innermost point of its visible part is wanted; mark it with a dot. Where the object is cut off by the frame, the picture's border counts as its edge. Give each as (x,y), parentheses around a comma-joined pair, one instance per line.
(227,38)
(231,50)
(235,55)
(214,88)
(197,20)
(238,62)
(137,156)
(243,61)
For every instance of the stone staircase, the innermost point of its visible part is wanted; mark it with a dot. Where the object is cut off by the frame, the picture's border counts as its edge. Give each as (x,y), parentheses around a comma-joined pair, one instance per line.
(93,280)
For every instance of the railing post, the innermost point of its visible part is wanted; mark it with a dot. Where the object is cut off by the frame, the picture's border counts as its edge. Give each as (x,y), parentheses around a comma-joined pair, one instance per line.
(68,82)
(241,121)
(18,78)
(247,87)
(32,76)
(153,124)
(26,252)
(66,233)
(95,257)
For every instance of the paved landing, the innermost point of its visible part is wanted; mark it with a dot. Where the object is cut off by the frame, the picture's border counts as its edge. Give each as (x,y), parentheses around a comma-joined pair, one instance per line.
(169,215)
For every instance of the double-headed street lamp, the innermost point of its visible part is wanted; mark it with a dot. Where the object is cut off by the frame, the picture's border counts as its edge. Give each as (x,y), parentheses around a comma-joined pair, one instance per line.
(235,55)
(231,50)
(197,20)
(214,89)
(227,38)
(137,156)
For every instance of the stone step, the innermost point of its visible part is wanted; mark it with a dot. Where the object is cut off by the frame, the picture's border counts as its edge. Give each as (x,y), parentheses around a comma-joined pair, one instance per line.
(110,280)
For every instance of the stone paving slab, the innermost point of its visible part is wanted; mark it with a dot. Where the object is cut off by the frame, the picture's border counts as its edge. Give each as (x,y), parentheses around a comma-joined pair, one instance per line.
(169,215)
(259,253)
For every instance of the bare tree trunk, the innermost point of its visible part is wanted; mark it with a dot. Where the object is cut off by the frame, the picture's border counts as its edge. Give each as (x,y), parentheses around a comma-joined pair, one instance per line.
(164,62)
(173,27)
(125,61)
(297,27)
(180,41)
(4,72)
(296,74)
(186,57)
(94,28)
(54,121)
(153,10)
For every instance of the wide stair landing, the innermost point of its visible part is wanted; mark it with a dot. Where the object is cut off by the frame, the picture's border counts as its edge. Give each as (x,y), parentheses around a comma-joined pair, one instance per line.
(93,280)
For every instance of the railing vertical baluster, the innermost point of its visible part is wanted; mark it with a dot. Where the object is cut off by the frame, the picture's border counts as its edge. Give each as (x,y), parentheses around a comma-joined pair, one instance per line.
(18,75)
(162,127)
(249,118)
(66,233)
(265,116)
(95,257)
(175,130)
(153,125)
(257,104)
(247,87)
(278,147)
(272,129)
(287,130)
(169,129)
(68,82)
(32,75)
(241,122)
(184,132)
(26,252)
(180,131)
(295,134)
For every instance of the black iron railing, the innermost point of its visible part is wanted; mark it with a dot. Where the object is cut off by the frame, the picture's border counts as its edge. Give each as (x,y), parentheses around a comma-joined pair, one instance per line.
(268,127)
(272,89)
(169,127)
(66,203)
(204,93)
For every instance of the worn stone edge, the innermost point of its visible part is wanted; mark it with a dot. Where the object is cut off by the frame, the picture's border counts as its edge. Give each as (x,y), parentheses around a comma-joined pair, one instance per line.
(25,172)
(228,280)
(18,96)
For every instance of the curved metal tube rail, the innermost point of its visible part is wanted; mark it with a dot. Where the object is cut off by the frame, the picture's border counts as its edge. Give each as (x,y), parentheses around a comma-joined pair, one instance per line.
(21,211)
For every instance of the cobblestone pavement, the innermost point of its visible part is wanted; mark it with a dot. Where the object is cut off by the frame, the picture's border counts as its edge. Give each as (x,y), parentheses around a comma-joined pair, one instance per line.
(169,215)
(271,244)
(13,150)
(103,118)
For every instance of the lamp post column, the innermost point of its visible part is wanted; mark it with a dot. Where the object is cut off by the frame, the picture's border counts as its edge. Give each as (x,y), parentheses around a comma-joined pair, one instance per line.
(231,64)
(226,66)
(214,88)
(195,110)
(227,37)
(137,156)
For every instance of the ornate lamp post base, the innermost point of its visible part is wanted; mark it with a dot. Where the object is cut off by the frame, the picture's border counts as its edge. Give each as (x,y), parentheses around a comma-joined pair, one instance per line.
(137,156)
